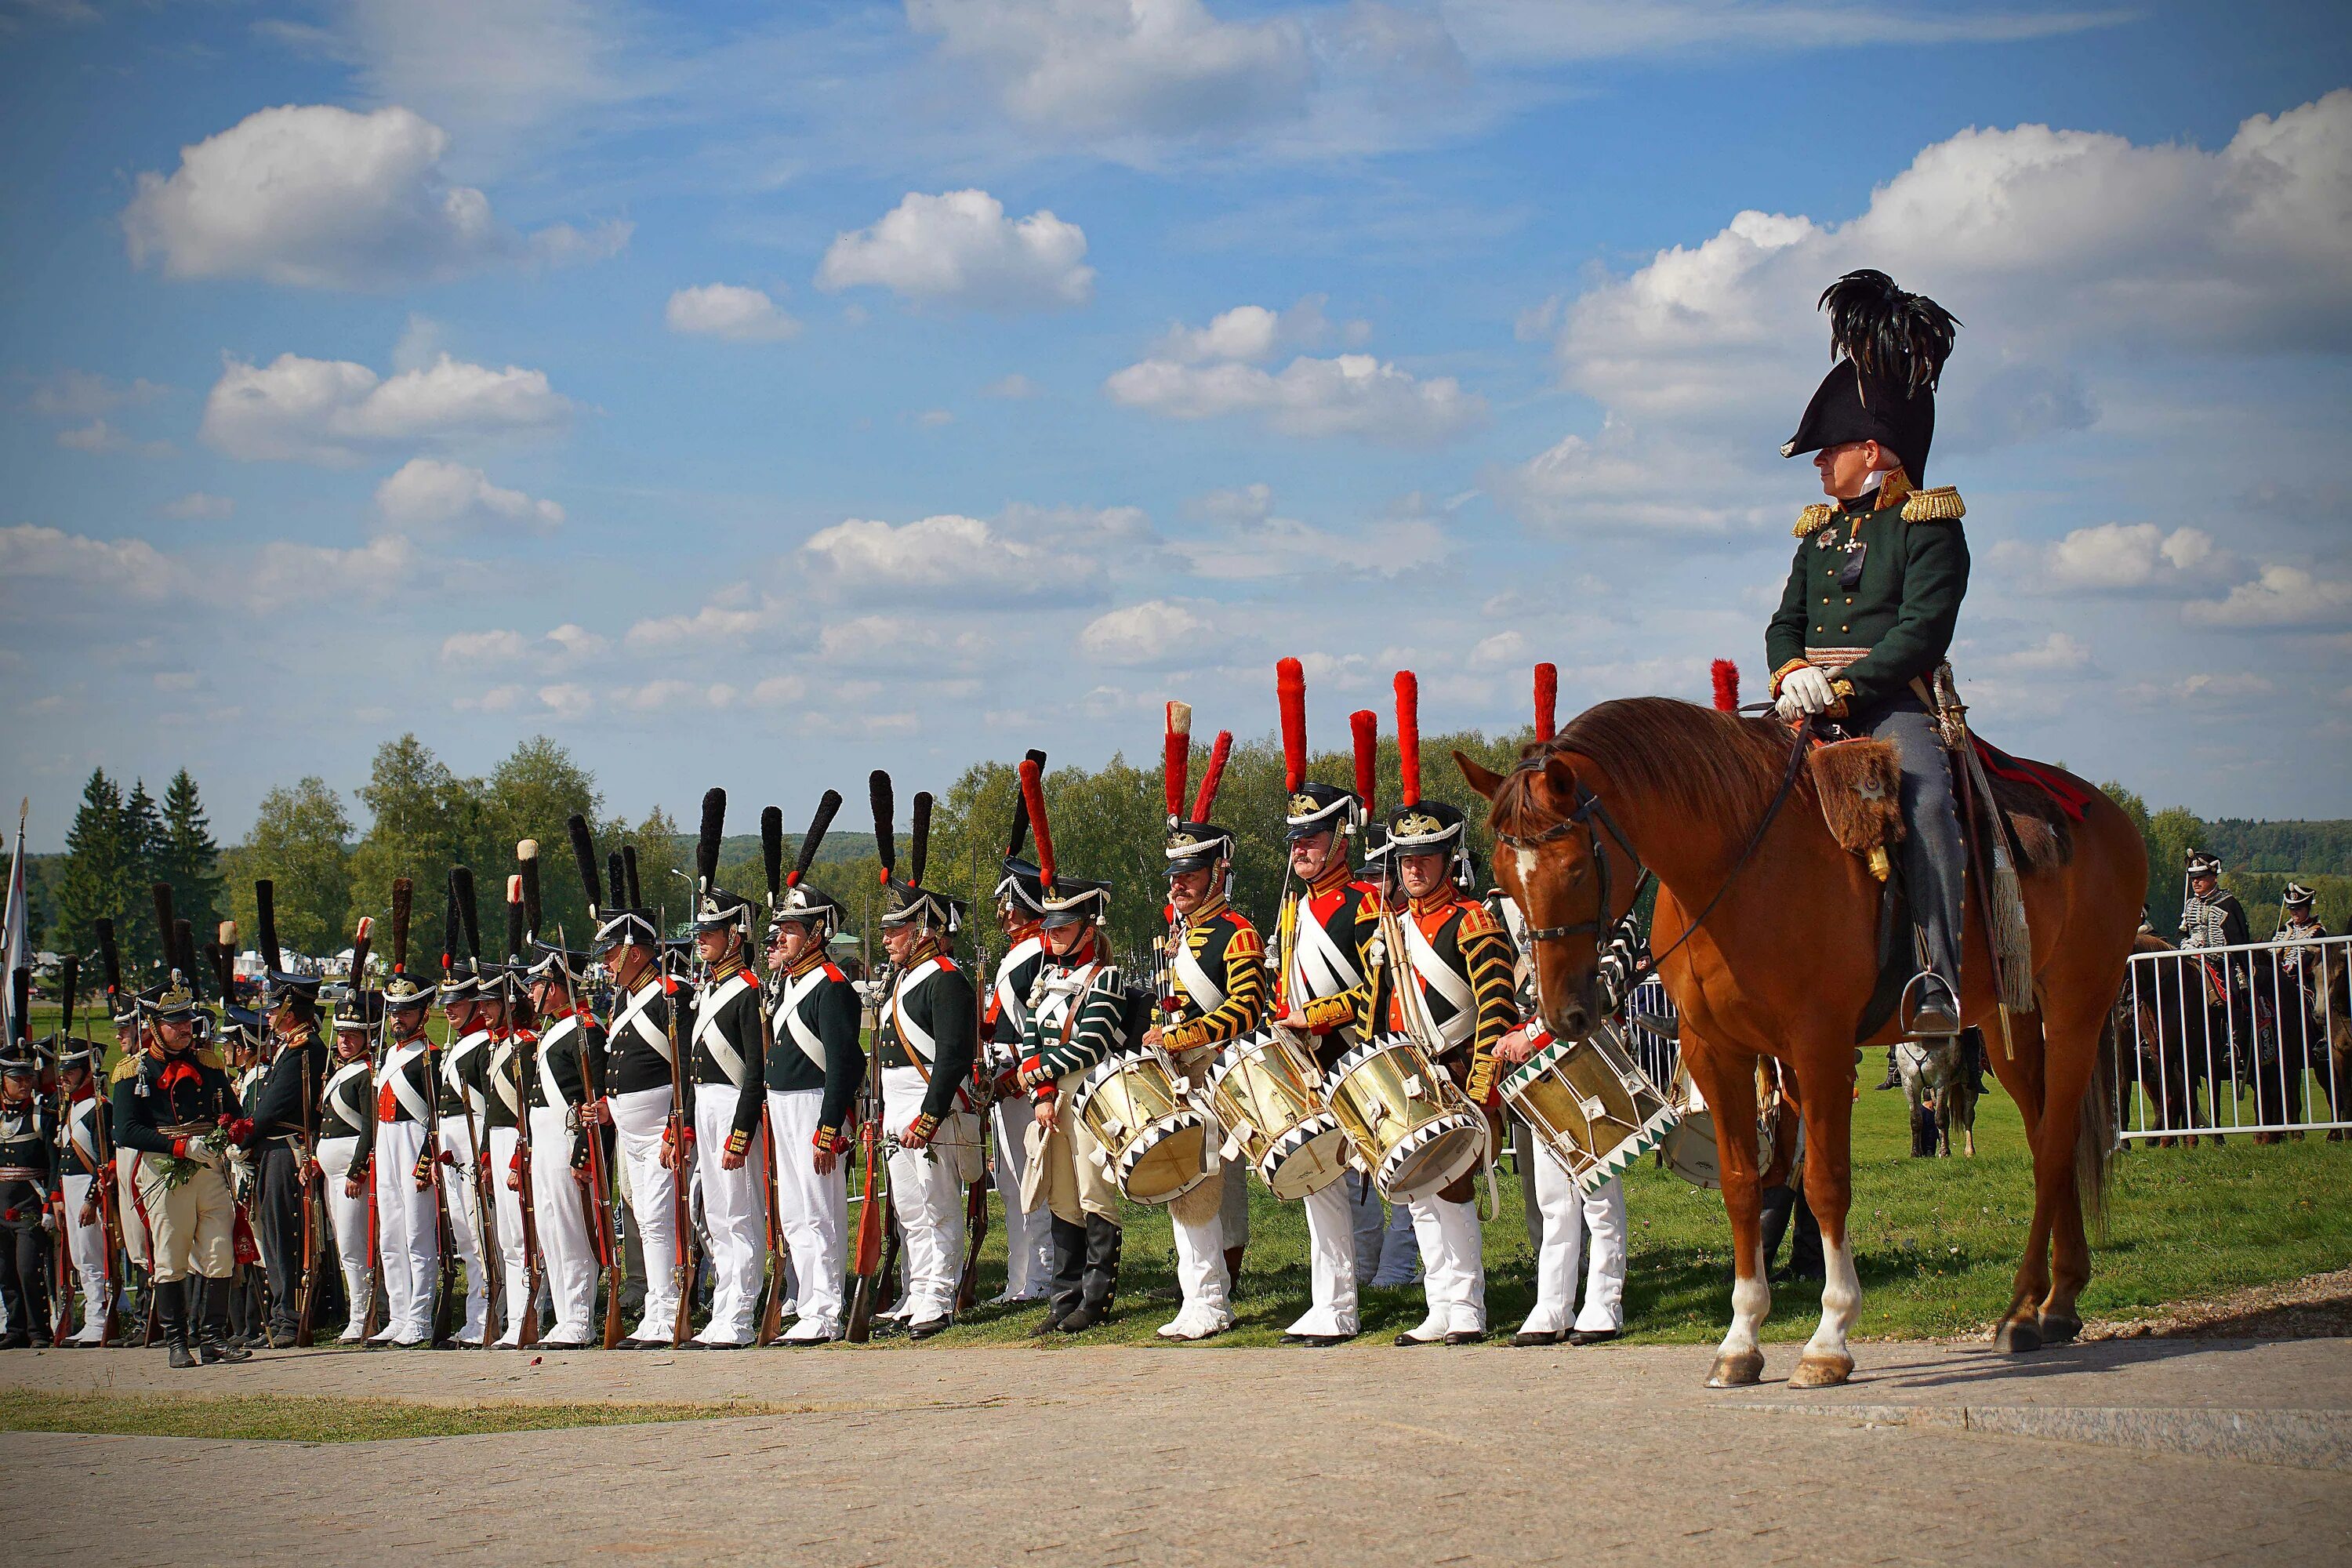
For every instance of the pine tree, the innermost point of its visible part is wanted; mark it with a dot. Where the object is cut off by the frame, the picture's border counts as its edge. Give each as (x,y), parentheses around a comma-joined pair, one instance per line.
(189,860)
(100,878)
(143,831)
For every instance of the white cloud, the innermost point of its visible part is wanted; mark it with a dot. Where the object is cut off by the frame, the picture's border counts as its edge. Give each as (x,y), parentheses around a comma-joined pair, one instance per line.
(2111,558)
(1246,542)
(466,648)
(427,498)
(2205,688)
(316,196)
(959,249)
(1086,67)
(1011,387)
(567,699)
(730,312)
(1035,557)
(655,696)
(2280,597)
(83,394)
(2060,652)
(497,699)
(576,642)
(1526,33)
(130,568)
(197,506)
(1353,394)
(1504,649)
(779,692)
(562,245)
(1616,480)
(1251,333)
(99,437)
(1156,632)
(731,619)
(284,572)
(895,642)
(331,411)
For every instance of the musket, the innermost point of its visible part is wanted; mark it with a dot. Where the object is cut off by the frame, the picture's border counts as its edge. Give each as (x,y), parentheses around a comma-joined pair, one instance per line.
(771,1311)
(476,1127)
(103,1128)
(534,1265)
(444,1303)
(678,1137)
(600,1197)
(403,902)
(307,1151)
(868,1260)
(101,1197)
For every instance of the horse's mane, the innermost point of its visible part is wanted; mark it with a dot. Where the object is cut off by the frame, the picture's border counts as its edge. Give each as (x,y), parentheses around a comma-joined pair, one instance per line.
(1712,764)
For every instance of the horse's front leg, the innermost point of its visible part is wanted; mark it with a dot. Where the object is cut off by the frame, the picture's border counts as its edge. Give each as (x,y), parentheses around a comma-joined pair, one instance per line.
(1825,1079)
(1728,1081)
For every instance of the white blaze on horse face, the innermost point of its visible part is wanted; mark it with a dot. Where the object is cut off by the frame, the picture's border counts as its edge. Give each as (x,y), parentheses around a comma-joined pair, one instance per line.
(1527,861)
(1751,1303)
(1841,1297)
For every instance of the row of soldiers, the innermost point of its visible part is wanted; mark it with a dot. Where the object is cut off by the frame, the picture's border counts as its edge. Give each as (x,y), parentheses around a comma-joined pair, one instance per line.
(717,1113)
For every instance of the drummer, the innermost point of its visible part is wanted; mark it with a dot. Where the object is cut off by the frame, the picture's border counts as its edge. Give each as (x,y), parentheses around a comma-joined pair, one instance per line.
(1328,917)
(1074,1017)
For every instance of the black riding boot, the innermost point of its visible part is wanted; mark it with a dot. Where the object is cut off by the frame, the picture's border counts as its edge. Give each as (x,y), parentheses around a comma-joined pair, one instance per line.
(215,1346)
(1070,1273)
(1101,1279)
(172,1319)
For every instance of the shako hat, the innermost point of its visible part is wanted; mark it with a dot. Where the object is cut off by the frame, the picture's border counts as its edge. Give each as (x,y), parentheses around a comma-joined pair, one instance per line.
(1309,805)
(2297,896)
(2201,864)
(404,991)
(1017,886)
(905,902)
(618,910)
(715,909)
(275,976)
(1061,901)
(1890,346)
(792,899)
(1194,843)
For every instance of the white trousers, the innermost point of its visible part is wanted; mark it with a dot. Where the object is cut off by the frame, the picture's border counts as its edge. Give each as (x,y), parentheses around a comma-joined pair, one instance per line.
(1028,1233)
(348,1218)
(653,1195)
(560,1217)
(87,1246)
(1567,1216)
(466,1224)
(1394,1256)
(407,1233)
(1330,1261)
(134,1228)
(514,1265)
(734,1212)
(811,1211)
(1453,1266)
(930,1203)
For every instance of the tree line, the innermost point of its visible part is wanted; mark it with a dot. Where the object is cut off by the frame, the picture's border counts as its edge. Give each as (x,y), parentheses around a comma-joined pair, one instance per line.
(1107,823)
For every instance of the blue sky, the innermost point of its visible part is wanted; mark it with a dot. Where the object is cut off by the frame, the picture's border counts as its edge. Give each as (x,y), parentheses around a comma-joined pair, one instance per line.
(758,395)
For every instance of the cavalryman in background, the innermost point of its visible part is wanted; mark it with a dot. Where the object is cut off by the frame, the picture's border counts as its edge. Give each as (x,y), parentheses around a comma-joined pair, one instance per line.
(1320,986)
(2211,915)
(1450,989)
(346,1141)
(1875,594)
(1216,994)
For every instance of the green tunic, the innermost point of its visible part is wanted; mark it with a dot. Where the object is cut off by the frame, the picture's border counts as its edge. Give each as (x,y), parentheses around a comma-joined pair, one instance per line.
(1896,623)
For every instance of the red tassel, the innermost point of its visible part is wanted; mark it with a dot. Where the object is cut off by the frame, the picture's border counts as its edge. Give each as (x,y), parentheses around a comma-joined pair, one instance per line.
(1408,701)
(1032,792)
(1206,801)
(1290,698)
(1177,760)
(1727,686)
(1546,702)
(1367,726)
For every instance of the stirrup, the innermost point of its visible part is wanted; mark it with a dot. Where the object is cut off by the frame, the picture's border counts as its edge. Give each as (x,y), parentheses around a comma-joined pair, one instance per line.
(1916,1024)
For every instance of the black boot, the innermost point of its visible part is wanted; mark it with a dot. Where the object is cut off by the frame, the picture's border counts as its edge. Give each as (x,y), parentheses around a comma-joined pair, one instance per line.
(1894,1079)
(170,1297)
(1101,1279)
(215,1346)
(1777,1204)
(1070,1273)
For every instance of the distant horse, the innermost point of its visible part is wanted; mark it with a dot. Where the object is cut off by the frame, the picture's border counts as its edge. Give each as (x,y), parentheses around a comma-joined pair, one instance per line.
(1786,962)
(2315,1026)
(1940,1109)
(2163,1032)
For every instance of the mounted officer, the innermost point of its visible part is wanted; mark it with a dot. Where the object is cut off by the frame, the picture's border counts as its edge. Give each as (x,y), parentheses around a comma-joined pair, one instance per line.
(1874,592)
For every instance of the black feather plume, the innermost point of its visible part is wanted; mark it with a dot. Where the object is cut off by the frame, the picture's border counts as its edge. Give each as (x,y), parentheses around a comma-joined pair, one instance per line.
(1020,833)
(162,892)
(223,966)
(629,876)
(404,913)
(584,860)
(527,867)
(184,946)
(1888,330)
(705,844)
(110,962)
(886,808)
(771,850)
(469,913)
(825,808)
(617,880)
(921,851)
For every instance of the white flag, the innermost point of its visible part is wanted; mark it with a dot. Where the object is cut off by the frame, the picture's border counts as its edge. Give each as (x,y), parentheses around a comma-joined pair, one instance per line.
(15,942)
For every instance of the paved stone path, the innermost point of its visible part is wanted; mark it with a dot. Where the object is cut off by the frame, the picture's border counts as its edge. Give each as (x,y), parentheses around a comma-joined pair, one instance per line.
(2136,1452)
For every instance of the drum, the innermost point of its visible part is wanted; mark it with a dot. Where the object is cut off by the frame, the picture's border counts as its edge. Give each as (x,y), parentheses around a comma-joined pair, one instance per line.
(1590,1104)
(1155,1143)
(1412,1128)
(1266,1093)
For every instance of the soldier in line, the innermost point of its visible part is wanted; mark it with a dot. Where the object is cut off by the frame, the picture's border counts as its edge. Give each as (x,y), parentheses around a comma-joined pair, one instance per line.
(816,1066)
(558,1070)
(346,1140)
(32,1198)
(79,1138)
(728,1094)
(1028,1231)
(285,1112)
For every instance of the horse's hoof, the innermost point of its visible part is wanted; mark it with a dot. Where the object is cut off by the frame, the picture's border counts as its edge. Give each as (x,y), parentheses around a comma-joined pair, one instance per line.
(1816,1370)
(2056,1331)
(1737,1369)
(2017,1337)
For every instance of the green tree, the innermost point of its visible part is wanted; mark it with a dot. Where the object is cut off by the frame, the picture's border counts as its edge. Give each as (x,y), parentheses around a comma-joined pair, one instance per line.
(299,842)
(2171,833)
(187,857)
(532,794)
(142,828)
(424,819)
(100,877)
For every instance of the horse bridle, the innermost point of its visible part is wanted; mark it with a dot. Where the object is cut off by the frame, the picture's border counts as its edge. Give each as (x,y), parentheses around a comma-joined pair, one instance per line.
(1617,971)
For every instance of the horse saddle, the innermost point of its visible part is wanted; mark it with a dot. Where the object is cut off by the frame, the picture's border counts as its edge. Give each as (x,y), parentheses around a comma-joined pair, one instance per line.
(1860,786)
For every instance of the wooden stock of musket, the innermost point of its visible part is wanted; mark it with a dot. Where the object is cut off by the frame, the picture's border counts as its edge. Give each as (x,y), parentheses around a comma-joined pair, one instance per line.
(681,1136)
(866,1261)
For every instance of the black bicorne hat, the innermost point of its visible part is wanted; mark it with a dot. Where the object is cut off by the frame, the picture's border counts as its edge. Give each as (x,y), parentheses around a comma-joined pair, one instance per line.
(2297,895)
(359,1009)
(1891,345)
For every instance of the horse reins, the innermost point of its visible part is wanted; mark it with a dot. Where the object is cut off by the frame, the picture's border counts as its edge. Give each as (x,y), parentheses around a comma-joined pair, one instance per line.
(1593,815)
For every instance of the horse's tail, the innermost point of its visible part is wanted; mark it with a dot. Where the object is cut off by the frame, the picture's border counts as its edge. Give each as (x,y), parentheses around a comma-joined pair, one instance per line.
(2095,1134)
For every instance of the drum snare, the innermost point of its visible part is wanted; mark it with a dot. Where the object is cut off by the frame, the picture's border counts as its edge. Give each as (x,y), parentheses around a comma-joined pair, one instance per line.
(1266,1093)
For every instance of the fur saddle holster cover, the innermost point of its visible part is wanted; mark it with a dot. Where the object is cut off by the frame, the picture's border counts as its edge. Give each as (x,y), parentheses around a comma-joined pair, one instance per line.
(1860,783)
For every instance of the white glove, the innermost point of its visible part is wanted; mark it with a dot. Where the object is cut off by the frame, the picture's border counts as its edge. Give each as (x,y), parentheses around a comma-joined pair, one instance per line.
(1802,691)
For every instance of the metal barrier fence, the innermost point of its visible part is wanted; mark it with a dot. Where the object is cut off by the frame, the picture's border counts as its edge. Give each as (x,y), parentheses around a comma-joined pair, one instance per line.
(2253,1039)
(1654,1033)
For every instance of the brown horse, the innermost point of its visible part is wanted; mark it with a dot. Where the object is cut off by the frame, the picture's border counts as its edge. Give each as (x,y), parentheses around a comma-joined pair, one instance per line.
(1784,966)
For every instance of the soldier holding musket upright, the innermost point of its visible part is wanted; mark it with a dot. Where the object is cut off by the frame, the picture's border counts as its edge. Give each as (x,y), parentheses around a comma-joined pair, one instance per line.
(471,1002)
(816,1066)
(1004,1021)
(285,1123)
(346,1142)
(727,1095)
(32,1199)
(408,1232)
(926,1042)
(510,1060)
(83,1167)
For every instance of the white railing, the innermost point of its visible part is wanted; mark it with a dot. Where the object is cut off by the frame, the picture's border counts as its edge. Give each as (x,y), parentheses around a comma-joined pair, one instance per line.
(1656,1047)
(2254,1039)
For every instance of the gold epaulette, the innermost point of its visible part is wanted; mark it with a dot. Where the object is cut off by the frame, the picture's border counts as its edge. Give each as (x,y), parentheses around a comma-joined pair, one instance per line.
(1477,920)
(125,1069)
(1245,942)
(1942,504)
(1816,516)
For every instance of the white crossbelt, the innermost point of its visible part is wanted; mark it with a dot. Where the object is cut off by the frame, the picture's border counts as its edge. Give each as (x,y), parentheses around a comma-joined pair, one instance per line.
(631,1019)
(1437,976)
(508,1090)
(453,1062)
(342,1075)
(1205,993)
(80,1130)
(1010,1003)
(787,1018)
(549,1089)
(913,1038)
(707,1004)
(1318,967)
(394,1072)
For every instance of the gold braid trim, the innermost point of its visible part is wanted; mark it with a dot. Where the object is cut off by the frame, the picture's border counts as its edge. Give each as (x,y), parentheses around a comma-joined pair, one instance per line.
(1942,504)
(1813,517)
